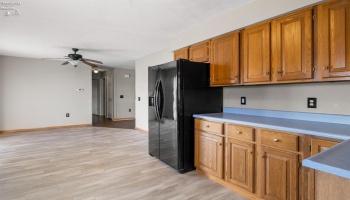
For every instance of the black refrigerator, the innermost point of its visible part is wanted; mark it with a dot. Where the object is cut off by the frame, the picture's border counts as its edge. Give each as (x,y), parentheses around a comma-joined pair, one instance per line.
(176,91)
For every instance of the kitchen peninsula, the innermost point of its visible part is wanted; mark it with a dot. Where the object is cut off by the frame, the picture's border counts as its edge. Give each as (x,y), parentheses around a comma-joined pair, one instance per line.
(272,154)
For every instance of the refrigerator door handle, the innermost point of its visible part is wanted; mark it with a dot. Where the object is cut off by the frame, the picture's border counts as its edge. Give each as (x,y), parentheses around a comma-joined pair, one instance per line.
(156,103)
(161,99)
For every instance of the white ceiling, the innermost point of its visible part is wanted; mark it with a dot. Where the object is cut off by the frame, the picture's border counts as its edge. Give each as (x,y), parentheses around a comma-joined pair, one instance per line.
(114,31)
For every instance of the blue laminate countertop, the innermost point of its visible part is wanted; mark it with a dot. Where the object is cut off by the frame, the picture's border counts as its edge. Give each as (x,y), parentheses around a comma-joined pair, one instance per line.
(323,129)
(334,161)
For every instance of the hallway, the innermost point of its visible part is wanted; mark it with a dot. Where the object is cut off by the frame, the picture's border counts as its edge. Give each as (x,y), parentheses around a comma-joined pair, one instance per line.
(101,121)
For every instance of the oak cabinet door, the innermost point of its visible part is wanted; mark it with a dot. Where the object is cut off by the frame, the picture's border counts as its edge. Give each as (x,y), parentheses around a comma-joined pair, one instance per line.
(318,146)
(256,54)
(240,163)
(279,174)
(334,39)
(181,53)
(292,46)
(224,63)
(209,153)
(200,52)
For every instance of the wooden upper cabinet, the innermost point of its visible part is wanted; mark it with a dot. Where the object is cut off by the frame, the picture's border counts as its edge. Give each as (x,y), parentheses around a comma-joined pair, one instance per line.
(200,52)
(292,46)
(256,54)
(240,158)
(181,53)
(279,174)
(224,62)
(318,146)
(333,33)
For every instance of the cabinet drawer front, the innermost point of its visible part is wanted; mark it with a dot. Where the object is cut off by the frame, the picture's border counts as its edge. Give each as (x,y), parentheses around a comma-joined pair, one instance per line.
(240,132)
(280,140)
(207,126)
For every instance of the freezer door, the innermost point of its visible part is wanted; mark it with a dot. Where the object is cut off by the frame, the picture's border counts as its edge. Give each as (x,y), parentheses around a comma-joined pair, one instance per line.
(153,119)
(169,115)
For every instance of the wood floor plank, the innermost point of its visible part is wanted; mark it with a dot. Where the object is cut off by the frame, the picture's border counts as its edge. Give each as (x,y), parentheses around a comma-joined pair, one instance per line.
(93,163)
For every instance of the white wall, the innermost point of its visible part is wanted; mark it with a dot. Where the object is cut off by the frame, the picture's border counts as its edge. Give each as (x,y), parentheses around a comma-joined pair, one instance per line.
(238,18)
(38,93)
(141,84)
(124,86)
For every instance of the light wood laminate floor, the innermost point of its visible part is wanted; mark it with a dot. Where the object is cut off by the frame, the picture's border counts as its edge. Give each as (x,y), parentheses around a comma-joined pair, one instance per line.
(93,163)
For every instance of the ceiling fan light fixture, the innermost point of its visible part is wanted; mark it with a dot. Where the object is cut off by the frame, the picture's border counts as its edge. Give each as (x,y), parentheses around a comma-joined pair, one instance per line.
(95,71)
(74,62)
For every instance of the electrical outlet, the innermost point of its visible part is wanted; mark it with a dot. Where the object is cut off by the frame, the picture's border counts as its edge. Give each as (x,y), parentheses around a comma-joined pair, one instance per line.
(243,100)
(67,114)
(121,96)
(312,102)
(129,110)
(139,98)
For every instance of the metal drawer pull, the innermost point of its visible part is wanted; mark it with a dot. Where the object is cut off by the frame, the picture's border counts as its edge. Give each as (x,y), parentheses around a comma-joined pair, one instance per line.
(238,132)
(276,140)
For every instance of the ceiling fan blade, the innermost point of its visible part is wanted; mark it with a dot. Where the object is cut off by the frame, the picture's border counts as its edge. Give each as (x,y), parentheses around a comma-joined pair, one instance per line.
(95,61)
(52,58)
(65,63)
(90,64)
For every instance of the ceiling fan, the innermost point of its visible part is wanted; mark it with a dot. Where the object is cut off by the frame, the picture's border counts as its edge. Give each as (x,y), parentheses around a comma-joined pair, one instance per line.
(76,59)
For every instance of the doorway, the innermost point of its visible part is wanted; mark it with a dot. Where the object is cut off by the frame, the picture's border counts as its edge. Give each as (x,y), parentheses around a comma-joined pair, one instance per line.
(102,103)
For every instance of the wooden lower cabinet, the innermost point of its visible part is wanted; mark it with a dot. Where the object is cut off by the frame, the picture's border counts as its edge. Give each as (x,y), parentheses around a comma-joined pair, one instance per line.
(329,186)
(209,153)
(240,156)
(279,174)
(258,163)
(319,145)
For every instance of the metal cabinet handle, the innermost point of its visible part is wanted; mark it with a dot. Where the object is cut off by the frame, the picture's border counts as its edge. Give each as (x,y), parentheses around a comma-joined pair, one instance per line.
(207,126)
(238,132)
(280,72)
(326,68)
(276,140)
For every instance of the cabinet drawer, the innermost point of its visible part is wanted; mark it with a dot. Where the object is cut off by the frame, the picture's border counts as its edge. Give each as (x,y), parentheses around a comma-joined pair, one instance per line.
(240,132)
(280,140)
(213,127)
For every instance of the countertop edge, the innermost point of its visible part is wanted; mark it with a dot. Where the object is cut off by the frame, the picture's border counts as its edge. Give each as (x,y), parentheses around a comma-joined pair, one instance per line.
(280,128)
(326,168)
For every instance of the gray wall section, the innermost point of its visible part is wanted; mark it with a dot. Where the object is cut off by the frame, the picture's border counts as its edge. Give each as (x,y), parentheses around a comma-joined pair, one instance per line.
(124,86)
(95,91)
(332,97)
